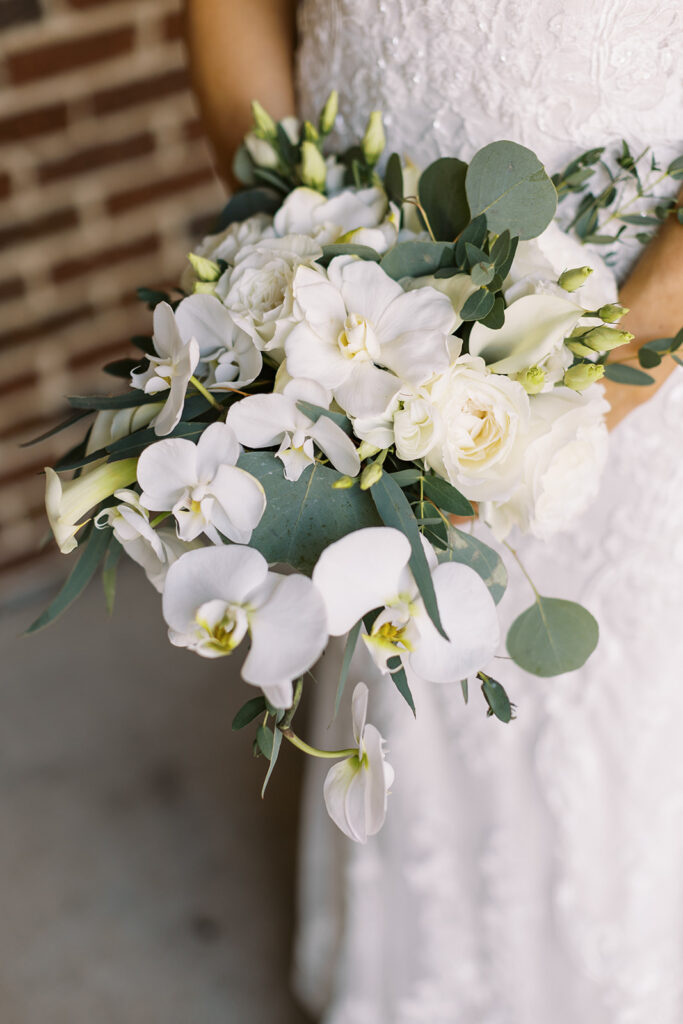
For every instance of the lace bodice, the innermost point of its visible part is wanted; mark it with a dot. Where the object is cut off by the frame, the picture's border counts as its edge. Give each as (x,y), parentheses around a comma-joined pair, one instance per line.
(453,75)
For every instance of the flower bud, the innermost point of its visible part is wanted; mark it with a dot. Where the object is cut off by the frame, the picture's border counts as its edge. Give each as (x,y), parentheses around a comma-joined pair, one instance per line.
(370,475)
(310,132)
(205,269)
(263,121)
(261,151)
(531,379)
(374,139)
(329,113)
(604,339)
(612,312)
(313,169)
(343,483)
(204,288)
(570,280)
(367,450)
(581,376)
(580,350)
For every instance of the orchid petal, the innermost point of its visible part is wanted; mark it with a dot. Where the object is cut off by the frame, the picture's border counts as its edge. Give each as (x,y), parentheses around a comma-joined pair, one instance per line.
(217,446)
(316,356)
(232,573)
(422,309)
(367,290)
(359,710)
(415,356)
(337,783)
(242,499)
(165,469)
(167,339)
(367,390)
(205,318)
(337,446)
(259,421)
(377,782)
(319,300)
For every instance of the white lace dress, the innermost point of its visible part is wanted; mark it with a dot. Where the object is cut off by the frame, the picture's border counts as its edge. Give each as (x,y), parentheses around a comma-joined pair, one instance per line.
(529,873)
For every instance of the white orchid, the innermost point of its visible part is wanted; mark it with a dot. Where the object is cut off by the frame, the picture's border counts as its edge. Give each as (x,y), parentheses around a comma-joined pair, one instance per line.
(201,485)
(154,549)
(356,319)
(261,421)
(215,597)
(258,289)
(67,503)
(355,790)
(368,570)
(228,354)
(169,369)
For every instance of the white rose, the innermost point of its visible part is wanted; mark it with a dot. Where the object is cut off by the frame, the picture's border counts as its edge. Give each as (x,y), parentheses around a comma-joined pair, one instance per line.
(258,289)
(307,212)
(563,463)
(548,256)
(484,421)
(226,244)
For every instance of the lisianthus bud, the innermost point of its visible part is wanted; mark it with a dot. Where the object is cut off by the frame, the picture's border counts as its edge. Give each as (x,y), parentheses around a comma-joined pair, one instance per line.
(581,376)
(367,450)
(329,113)
(370,475)
(261,151)
(313,168)
(310,132)
(604,339)
(570,280)
(612,312)
(205,269)
(580,350)
(263,120)
(531,379)
(374,139)
(343,483)
(204,288)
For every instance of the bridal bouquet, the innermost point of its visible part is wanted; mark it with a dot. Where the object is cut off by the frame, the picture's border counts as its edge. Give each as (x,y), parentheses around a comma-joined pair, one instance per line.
(354,365)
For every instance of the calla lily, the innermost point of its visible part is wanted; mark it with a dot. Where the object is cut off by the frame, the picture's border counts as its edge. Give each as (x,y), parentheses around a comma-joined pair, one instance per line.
(215,597)
(356,320)
(368,570)
(202,486)
(355,790)
(169,370)
(111,425)
(261,421)
(67,503)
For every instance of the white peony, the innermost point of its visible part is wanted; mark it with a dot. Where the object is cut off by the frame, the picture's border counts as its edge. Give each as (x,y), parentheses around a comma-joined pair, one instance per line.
(484,422)
(563,463)
(416,425)
(258,289)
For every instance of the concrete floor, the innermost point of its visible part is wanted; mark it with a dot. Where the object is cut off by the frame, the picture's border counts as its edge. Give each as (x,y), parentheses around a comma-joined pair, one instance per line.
(141,877)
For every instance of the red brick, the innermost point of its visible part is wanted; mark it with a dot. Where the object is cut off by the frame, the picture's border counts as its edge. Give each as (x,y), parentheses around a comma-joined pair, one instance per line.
(33,122)
(97,156)
(103,354)
(193,129)
(5,185)
(56,58)
(26,380)
(141,91)
(48,224)
(45,326)
(14,12)
(24,560)
(174,25)
(154,190)
(69,269)
(91,3)
(25,472)
(11,288)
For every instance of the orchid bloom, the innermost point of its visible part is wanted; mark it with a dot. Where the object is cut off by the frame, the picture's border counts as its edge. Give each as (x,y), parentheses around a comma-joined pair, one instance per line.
(368,570)
(355,790)
(154,550)
(361,335)
(67,503)
(201,485)
(228,353)
(215,597)
(169,370)
(260,421)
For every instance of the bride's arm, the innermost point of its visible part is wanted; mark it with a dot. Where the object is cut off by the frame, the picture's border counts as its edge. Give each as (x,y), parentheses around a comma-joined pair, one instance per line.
(239,50)
(654,295)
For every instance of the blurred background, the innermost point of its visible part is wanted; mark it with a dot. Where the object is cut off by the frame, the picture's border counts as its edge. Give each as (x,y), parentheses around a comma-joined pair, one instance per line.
(142,877)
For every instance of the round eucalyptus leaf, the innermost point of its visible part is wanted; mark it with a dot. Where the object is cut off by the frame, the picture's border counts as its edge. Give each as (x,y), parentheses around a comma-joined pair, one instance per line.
(508,184)
(442,194)
(415,259)
(552,637)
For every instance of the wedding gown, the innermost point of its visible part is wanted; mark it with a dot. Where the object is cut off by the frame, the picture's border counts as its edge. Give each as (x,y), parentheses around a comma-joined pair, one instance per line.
(528,873)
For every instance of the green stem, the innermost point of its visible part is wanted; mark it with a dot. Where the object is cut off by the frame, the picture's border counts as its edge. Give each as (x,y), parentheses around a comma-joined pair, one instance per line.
(286,720)
(314,751)
(207,394)
(519,563)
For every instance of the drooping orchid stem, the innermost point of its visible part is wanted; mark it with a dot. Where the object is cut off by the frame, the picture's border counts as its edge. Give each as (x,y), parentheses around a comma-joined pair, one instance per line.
(290,735)
(206,394)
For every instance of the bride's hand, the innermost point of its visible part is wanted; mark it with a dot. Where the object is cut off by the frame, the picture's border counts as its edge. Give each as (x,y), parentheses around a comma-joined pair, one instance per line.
(654,295)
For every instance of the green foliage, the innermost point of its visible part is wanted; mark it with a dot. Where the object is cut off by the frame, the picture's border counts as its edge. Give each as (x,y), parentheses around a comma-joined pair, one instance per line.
(303,517)
(508,184)
(248,712)
(152,297)
(93,552)
(497,699)
(479,305)
(365,252)
(111,562)
(487,563)
(316,411)
(442,195)
(245,204)
(552,637)
(121,367)
(446,497)
(64,425)
(393,180)
(400,681)
(276,743)
(416,259)
(621,374)
(675,169)
(350,647)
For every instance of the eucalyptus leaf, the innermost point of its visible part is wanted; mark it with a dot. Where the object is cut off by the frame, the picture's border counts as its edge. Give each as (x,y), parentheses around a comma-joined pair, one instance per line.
(248,712)
(245,204)
(446,497)
(111,563)
(274,751)
(497,699)
(487,563)
(128,400)
(121,367)
(152,296)
(303,517)
(394,510)
(316,411)
(552,637)
(443,198)
(675,169)
(416,259)
(648,358)
(364,252)
(135,443)
(351,641)
(478,306)
(621,374)
(64,425)
(393,179)
(93,552)
(482,274)
(400,681)
(496,318)
(508,184)
(405,477)
(475,234)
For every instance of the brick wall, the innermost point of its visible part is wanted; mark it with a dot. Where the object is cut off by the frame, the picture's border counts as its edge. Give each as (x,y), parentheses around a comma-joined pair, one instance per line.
(105,179)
